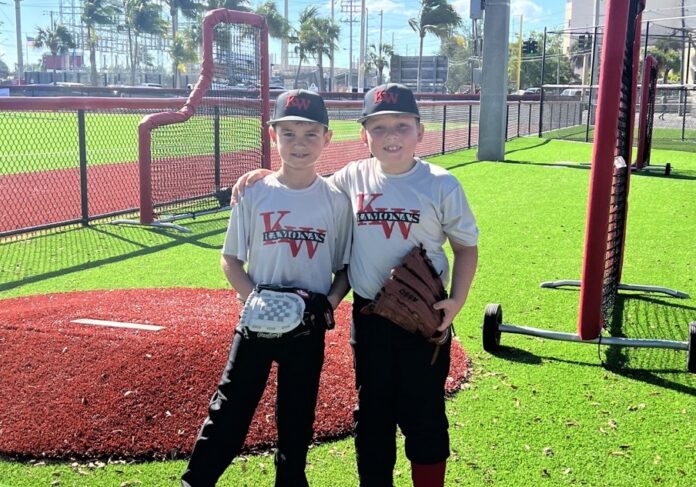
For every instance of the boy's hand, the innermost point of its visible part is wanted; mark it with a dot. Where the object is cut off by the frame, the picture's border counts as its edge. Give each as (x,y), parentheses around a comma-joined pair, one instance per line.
(247,179)
(450,308)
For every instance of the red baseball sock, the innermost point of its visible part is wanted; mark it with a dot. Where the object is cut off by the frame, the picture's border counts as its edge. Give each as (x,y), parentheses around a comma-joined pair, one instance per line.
(428,475)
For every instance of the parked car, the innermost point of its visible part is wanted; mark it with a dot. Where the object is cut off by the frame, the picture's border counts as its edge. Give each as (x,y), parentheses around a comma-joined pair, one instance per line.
(532,91)
(574,92)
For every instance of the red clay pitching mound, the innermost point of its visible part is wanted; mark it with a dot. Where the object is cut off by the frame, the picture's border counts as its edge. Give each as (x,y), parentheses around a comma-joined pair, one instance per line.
(80,390)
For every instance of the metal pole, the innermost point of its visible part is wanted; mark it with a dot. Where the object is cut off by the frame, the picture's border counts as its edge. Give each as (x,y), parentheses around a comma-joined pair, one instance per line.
(20,44)
(350,44)
(469,130)
(361,54)
(589,96)
(519,55)
(647,36)
(379,53)
(444,126)
(541,85)
(332,79)
(82,143)
(688,59)
(216,150)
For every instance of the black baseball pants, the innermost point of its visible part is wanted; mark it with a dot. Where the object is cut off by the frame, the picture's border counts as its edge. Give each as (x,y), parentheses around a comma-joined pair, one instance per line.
(397,386)
(232,407)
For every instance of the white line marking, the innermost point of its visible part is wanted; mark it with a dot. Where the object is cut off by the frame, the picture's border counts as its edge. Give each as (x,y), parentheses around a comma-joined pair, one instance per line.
(118,324)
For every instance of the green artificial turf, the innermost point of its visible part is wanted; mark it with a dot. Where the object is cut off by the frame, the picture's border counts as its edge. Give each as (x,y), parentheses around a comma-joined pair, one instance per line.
(538,412)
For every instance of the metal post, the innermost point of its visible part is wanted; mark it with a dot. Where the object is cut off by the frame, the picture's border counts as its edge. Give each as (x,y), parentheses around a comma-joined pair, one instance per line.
(469,134)
(519,109)
(216,142)
(589,95)
(444,126)
(541,86)
(529,119)
(82,144)
(647,36)
(507,119)
(684,83)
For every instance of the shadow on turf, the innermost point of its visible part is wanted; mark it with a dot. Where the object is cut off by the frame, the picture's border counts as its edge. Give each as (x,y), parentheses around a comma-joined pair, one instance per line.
(644,316)
(74,250)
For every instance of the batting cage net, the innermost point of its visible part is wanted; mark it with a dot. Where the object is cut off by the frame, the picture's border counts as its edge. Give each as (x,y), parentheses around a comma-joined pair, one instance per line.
(609,179)
(648,90)
(189,159)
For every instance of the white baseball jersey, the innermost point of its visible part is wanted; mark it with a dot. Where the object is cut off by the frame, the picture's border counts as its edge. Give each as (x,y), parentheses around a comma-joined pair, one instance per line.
(394,213)
(291,237)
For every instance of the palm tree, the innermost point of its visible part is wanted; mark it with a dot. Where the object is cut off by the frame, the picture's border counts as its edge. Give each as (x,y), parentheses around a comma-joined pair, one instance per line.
(325,40)
(57,39)
(278,26)
(97,12)
(317,36)
(435,17)
(141,17)
(378,58)
(302,38)
(184,49)
(189,9)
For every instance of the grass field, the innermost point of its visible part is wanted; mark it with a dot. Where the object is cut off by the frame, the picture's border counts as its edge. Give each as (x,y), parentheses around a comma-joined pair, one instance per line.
(537,413)
(663,138)
(43,141)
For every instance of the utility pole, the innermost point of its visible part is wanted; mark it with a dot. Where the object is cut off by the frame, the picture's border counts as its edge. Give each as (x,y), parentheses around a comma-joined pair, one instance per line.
(379,52)
(350,8)
(361,57)
(595,51)
(332,77)
(20,44)
(519,56)
(284,42)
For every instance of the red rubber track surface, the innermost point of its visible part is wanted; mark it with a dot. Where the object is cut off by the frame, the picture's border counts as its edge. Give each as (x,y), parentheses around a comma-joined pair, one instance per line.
(84,391)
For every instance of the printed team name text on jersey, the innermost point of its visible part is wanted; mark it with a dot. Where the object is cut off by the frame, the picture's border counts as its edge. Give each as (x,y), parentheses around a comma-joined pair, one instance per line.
(368,214)
(294,236)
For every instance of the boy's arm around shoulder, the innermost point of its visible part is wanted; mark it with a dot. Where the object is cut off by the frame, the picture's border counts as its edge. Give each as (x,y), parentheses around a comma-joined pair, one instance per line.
(463,270)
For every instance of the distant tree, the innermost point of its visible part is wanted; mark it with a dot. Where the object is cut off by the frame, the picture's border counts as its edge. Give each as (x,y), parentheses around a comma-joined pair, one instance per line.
(189,9)
(4,70)
(183,50)
(378,58)
(459,51)
(558,70)
(434,17)
(97,12)
(667,51)
(141,17)
(57,39)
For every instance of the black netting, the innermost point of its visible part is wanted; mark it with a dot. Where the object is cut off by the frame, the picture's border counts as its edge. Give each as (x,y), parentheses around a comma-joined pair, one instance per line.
(194,162)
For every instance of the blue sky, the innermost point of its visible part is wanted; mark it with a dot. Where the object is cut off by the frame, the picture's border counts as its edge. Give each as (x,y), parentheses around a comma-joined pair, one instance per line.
(537,14)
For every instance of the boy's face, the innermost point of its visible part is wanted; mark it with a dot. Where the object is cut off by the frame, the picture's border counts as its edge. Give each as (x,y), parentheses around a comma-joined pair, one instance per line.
(299,143)
(392,138)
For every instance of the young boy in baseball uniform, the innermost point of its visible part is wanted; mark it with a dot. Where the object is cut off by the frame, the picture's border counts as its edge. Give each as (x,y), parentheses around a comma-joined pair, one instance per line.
(291,230)
(399,202)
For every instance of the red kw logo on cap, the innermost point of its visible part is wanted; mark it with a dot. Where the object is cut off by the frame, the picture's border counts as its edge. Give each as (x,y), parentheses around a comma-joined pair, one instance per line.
(299,103)
(386,97)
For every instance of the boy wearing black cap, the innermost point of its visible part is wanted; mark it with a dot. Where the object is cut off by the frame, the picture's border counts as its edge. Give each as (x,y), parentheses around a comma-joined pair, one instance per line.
(293,231)
(399,202)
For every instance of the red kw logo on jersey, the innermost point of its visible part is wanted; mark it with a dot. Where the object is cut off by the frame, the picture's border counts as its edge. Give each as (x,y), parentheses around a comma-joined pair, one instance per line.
(299,103)
(368,214)
(382,96)
(295,237)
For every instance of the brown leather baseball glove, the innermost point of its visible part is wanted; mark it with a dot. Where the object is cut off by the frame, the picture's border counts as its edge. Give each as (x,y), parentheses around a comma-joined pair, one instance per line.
(408,295)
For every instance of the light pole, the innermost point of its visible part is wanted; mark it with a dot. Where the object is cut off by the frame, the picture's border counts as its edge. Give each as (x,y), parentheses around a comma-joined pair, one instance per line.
(20,50)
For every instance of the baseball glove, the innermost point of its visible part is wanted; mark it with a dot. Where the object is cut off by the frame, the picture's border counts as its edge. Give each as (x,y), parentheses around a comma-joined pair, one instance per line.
(275,310)
(408,295)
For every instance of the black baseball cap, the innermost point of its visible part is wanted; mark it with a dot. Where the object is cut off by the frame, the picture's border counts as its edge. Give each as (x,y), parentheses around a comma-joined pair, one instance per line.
(301,106)
(389,98)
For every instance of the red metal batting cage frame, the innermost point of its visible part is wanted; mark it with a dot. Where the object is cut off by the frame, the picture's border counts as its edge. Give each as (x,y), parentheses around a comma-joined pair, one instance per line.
(647,111)
(202,93)
(607,208)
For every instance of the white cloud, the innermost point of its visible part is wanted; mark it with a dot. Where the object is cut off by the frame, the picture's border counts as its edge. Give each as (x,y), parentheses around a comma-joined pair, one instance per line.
(528,8)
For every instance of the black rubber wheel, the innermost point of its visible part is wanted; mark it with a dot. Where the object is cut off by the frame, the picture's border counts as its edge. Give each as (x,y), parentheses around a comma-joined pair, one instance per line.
(691,352)
(492,319)
(668,169)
